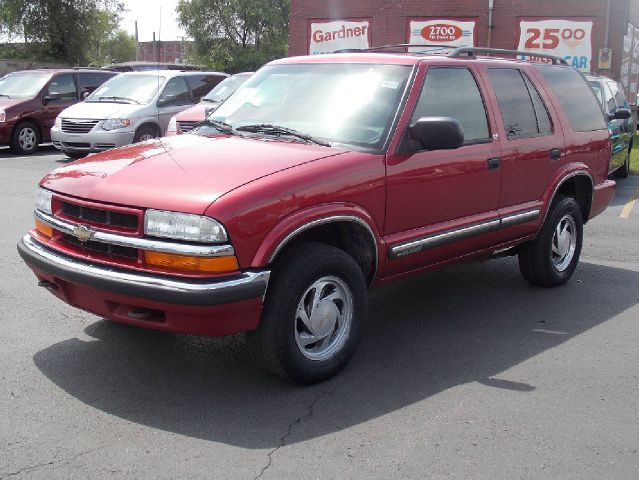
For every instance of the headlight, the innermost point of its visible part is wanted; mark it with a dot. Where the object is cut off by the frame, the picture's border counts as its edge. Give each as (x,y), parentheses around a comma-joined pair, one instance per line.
(172,125)
(3,116)
(43,200)
(58,122)
(183,226)
(114,123)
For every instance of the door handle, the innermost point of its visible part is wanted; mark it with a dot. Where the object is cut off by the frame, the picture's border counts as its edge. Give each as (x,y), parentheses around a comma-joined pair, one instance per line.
(555,154)
(493,163)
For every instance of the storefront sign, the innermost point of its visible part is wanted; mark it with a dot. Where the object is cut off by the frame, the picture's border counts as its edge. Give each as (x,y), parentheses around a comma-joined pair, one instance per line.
(569,39)
(444,32)
(327,37)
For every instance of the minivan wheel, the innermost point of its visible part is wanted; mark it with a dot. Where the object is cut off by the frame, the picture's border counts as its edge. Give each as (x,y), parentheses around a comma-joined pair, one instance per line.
(552,257)
(144,133)
(25,138)
(314,310)
(624,170)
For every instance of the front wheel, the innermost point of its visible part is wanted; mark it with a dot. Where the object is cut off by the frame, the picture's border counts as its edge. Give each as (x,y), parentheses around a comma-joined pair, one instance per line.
(144,133)
(25,138)
(313,314)
(552,257)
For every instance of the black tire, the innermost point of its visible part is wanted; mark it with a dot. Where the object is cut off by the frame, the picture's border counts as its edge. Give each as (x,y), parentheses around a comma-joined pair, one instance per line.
(76,155)
(538,264)
(624,170)
(145,132)
(25,138)
(274,345)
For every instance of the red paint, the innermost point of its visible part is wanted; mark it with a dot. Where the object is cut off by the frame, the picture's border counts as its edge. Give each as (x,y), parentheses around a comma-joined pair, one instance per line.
(441,32)
(264,190)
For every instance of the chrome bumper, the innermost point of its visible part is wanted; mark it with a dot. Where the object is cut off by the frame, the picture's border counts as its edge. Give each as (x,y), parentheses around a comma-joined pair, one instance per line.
(243,286)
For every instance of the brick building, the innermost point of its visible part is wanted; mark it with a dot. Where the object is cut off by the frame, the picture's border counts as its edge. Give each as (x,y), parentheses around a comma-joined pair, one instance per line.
(593,35)
(173,51)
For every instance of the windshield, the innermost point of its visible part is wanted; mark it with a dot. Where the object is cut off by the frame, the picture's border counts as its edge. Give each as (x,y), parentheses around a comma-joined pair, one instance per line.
(339,103)
(225,88)
(128,89)
(23,84)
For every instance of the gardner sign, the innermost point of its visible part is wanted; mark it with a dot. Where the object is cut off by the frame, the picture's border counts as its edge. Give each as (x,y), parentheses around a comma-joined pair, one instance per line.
(327,37)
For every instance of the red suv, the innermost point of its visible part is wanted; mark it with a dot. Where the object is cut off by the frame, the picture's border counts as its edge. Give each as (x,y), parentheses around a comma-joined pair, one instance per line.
(31,100)
(321,177)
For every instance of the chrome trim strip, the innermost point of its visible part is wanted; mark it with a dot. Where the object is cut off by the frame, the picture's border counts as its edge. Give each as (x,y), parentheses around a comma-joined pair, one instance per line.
(518,218)
(431,241)
(159,284)
(136,242)
(322,221)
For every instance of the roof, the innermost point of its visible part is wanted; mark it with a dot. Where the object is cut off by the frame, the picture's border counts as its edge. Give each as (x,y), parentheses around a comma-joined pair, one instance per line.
(63,70)
(171,73)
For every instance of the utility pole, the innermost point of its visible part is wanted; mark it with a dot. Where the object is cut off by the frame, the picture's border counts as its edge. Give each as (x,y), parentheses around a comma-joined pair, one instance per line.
(137,43)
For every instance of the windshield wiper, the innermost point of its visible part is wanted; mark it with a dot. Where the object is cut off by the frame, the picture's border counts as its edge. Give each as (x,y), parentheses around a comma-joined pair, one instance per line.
(276,130)
(219,126)
(5,95)
(119,98)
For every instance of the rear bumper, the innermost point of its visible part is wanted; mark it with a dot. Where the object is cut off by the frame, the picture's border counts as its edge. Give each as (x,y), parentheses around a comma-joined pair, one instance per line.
(203,307)
(601,197)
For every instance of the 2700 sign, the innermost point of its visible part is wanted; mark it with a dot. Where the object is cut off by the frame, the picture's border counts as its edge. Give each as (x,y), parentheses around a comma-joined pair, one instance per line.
(441,32)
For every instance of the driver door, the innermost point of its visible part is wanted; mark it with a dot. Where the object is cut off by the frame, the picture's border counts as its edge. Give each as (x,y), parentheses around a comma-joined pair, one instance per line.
(442,204)
(60,93)
(173,99)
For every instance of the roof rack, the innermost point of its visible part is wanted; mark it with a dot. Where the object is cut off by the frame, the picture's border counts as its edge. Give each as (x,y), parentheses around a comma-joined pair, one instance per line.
(405,46)
(472,51)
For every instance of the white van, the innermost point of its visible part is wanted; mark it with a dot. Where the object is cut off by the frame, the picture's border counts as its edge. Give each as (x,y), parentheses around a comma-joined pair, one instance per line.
(130,107)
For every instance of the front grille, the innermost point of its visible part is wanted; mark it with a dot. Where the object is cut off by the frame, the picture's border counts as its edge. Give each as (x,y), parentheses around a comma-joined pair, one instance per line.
(95,215)
(186,127)
(78,126)
(103,248)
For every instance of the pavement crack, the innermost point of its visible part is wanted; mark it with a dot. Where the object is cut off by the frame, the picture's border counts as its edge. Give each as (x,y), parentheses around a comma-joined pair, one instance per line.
(53,462)
(289,431)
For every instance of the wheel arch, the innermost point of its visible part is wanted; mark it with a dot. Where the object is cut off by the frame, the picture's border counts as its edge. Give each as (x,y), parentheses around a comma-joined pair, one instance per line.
(149,123)
(578,184)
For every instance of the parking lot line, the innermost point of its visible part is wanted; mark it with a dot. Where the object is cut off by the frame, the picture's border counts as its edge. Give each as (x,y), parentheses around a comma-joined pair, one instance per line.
(625,213)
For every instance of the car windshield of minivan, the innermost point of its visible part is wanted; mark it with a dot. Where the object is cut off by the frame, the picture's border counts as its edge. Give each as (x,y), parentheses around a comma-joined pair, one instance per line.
(352,104)
(137,89)
(23,84)
(225,89)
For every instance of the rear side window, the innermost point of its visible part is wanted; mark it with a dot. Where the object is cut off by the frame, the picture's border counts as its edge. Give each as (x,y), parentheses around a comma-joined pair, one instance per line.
(575,97)
(515,103)
(200,85)
(91,81)
(453,92)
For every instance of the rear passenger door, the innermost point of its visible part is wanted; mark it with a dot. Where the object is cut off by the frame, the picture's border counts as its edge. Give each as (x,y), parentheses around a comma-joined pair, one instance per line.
(532,147)
(443,203)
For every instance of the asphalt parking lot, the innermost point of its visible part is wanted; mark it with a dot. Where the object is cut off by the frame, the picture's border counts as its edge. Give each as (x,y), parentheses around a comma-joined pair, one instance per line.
(463,373)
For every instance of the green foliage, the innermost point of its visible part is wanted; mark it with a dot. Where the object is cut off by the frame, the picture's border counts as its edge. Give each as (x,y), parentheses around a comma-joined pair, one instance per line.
(634,156)
(70,31)
(235,35)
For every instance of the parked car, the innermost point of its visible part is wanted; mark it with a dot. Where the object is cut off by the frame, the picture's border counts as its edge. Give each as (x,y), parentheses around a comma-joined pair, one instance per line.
(622,130)
(129,108)
(184,121)
(30,101)
(321,177)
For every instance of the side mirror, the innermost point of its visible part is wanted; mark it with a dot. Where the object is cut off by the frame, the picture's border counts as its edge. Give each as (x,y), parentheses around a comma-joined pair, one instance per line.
(51,97)
(166,100)
(437,133)
(620,114)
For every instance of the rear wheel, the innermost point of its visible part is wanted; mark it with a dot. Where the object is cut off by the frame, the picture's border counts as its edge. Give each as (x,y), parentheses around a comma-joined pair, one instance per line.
(313,315)
(552,257)
(25,138)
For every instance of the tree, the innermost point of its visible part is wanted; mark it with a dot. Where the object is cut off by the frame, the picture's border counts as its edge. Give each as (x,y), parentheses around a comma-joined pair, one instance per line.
(236,35)
(64,30)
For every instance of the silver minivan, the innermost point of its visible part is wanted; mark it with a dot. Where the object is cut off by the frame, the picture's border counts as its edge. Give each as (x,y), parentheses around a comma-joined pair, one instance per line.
(129,108)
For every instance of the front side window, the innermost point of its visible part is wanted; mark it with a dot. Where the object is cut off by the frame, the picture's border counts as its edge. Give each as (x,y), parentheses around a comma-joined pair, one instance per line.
(340,103)
(176,92)
(453,92)
(62,88)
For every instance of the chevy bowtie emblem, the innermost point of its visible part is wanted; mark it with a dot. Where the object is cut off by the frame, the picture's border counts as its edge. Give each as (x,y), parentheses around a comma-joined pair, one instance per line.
(83,233)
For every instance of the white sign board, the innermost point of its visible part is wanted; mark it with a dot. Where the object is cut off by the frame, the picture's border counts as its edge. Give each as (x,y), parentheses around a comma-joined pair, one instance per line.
(327,37)
(569,39)
(441,32)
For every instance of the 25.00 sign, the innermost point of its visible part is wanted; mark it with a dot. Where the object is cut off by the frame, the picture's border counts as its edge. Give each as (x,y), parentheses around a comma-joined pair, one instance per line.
(549,38)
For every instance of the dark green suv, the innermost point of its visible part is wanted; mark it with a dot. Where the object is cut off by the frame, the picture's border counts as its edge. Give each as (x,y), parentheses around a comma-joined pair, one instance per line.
(621,125)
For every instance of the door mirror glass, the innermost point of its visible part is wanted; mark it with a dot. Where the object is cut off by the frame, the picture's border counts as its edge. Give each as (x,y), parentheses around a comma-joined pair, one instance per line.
(620,114)
(436,133)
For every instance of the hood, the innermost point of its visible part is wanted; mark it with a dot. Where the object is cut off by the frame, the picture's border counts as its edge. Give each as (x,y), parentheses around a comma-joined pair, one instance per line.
(7,103)
(99,110)
(185,173)
(195,113)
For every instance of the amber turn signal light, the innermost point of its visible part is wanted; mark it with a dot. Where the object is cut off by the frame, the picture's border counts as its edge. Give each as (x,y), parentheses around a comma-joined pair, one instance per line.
(44,229)
(197,264)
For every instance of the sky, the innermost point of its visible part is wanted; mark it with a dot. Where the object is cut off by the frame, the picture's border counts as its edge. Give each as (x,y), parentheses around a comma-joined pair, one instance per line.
(147,13)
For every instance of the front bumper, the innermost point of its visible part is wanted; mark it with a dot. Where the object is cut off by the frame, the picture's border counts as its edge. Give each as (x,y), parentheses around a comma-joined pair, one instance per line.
(92,142)
(202,307)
